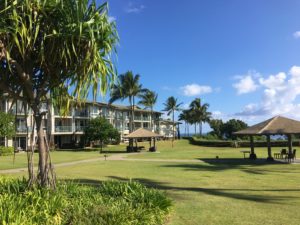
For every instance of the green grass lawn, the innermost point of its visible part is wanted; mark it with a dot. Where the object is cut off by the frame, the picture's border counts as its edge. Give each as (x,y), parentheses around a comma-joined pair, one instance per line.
(209,192)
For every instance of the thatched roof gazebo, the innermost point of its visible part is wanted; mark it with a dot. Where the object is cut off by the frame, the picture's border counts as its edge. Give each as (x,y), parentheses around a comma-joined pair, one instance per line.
(142,133)
(275,126)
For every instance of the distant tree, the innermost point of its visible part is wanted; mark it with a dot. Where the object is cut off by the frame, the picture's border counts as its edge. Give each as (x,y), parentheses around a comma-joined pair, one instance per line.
(199,113)
(232,126)
(100,129)
(171,106)
(217,126)
(149,99)
(127,86)
(7,124)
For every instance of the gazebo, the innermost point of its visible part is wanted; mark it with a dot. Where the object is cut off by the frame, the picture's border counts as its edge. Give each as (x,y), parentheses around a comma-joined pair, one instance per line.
(275,126)
(142,133)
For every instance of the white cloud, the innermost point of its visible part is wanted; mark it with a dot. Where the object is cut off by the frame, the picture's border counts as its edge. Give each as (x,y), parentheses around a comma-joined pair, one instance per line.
(297,34)
(111,19)
(279,96)
(246,83)
(134,8)
(195,89)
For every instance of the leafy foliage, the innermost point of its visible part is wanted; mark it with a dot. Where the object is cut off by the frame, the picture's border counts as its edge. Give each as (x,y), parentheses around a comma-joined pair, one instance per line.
(6,151)
(226,130)
(100,129)
(149,99)
(7,124)
(109,203)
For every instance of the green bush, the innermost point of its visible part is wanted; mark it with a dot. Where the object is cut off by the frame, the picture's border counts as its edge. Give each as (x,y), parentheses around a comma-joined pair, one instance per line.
(239,143)
(109,203)
(6,150)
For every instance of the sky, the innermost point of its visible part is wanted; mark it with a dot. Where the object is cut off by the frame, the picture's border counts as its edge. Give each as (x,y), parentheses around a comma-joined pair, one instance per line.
(240,56)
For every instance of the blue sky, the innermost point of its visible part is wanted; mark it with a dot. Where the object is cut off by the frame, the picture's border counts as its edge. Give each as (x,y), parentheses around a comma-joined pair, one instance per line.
(240,56)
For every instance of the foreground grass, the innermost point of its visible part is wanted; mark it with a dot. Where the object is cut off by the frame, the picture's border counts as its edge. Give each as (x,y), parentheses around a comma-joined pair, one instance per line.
(211,192)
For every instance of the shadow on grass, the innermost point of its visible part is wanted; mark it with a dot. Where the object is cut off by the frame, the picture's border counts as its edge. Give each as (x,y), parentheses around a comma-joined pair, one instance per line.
(228,193)
(234,193)
(246,165)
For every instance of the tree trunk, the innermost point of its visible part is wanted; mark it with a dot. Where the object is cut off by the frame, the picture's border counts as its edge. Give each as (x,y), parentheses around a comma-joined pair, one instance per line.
(173,127)
(133,125)
(43,164)
(195,129)
(200,128)
(151,121)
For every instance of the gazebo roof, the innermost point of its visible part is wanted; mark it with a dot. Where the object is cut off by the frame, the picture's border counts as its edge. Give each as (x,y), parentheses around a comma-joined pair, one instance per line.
(142,133)
(275,125)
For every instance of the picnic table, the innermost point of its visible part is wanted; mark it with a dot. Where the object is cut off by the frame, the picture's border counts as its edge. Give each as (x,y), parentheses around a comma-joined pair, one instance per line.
(245,152)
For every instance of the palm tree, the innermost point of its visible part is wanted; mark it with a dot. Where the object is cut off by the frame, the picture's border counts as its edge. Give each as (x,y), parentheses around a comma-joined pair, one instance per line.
(184,116)
(128,86)
(171,106)
(199,113)
(149,99)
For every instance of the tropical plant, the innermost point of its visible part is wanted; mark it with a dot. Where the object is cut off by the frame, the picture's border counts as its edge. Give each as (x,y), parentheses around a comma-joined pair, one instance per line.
(148,99)
(199,113)
(100,129)
(216,125)
(107,202)
(171,106)
(58,48)
(184,116)
(127,86)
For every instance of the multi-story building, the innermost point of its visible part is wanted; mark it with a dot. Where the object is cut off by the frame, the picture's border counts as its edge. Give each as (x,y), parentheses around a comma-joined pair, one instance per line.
(67,131)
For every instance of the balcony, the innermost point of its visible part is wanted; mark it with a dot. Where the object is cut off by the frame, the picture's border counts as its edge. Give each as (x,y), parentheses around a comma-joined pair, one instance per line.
(80,128)
(58,113)
(23,129)
(81,114)
(63,128)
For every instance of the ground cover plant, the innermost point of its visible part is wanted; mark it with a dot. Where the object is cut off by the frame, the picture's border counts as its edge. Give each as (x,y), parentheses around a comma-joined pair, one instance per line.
(110,202)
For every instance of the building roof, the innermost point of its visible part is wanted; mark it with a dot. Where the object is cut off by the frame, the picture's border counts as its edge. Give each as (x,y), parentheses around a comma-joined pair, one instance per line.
(275,125)
(142,133)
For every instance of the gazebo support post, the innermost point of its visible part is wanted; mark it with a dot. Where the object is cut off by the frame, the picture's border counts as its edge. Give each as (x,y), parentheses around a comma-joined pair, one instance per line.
(290,143)
(270,158)
(252,153)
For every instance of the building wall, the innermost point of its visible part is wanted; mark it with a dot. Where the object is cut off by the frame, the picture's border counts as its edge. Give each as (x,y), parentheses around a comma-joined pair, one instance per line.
(67,129)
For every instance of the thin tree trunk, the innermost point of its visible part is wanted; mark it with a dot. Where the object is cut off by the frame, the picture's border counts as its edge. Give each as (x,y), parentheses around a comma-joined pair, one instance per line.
(133,125)
(200,127)
(173,127)
(42,173)
(195,129)
(151,121)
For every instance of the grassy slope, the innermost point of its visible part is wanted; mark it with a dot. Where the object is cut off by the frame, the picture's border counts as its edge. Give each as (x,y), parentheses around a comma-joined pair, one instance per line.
(238,193)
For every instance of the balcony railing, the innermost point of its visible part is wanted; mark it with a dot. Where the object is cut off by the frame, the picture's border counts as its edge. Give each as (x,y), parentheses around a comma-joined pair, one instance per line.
(81,114)
(63,128)
(79,128)
(23,129)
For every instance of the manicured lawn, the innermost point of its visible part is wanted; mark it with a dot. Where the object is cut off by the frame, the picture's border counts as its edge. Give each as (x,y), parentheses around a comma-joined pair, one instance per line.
(209,192)
(183,150)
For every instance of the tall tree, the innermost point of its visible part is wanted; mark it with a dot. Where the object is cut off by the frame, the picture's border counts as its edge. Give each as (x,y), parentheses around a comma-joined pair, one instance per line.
(199,113)
(171,106)
(216,125)
(127,86)
(149,99)
(47,47)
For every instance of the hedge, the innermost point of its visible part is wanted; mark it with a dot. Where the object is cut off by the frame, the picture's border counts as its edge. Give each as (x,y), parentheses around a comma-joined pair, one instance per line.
(243,144)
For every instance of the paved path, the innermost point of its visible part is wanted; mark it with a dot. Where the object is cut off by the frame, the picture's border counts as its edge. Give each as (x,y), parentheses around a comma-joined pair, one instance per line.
(115,157)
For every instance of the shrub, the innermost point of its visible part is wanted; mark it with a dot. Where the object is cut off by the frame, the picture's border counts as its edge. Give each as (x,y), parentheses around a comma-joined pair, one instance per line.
(6,150)
(109,203)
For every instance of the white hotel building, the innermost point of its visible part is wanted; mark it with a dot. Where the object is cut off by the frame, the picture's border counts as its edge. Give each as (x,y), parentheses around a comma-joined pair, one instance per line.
(67,131)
